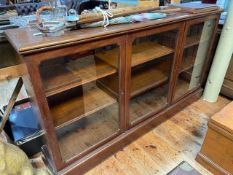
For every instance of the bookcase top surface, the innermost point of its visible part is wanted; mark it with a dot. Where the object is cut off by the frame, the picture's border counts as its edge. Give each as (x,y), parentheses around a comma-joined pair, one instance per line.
(24,40)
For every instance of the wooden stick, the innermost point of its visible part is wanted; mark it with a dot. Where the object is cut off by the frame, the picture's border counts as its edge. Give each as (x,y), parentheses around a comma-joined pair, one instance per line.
(95,17)
(11,103)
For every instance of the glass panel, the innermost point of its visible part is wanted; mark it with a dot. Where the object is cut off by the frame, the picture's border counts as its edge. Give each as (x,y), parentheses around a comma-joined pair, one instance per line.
(151,62)
(194,56)
(82,94)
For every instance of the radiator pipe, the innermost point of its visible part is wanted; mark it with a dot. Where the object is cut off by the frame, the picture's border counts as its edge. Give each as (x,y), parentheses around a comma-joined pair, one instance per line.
(221,60)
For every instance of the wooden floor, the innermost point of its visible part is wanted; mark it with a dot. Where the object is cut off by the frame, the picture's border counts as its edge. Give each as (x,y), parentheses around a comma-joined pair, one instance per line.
(163,148)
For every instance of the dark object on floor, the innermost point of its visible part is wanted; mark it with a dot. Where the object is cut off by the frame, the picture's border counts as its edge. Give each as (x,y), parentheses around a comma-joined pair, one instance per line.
(23,121)
(23,128)
(184,169)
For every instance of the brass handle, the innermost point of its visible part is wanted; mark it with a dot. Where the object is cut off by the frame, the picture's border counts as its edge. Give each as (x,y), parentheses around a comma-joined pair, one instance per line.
(38,12)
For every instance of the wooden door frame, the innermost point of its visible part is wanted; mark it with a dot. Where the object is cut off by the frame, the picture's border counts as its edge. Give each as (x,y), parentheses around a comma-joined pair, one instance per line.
(129,42)
(180,59)
(34,60)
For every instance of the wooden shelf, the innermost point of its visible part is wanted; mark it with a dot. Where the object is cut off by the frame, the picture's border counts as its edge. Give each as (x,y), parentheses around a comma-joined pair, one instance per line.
(141,81)
(60,77)
(145,80)
(195,40)
(69,111)
(142,53)
(186,75)
(192,41)
(182,87)
(89,131)
(187,63)
(148,102)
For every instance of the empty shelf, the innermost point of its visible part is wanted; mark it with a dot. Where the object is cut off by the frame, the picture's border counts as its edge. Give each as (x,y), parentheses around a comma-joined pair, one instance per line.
(77,107)
(145,80)
(192,41)
(142,53)
(141,81)
(187,63)
(59,78)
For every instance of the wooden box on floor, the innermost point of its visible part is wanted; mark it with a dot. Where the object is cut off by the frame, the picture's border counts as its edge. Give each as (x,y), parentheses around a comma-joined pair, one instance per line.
(217,150)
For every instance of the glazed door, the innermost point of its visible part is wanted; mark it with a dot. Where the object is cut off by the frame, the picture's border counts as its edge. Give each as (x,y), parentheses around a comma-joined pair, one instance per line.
(83,107)
(194,58)
(150,63)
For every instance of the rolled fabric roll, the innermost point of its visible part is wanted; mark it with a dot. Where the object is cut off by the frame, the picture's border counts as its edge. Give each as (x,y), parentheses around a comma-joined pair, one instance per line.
(128,19)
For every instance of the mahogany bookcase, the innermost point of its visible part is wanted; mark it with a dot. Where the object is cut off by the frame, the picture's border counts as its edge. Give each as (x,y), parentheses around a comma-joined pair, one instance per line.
(97,89)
